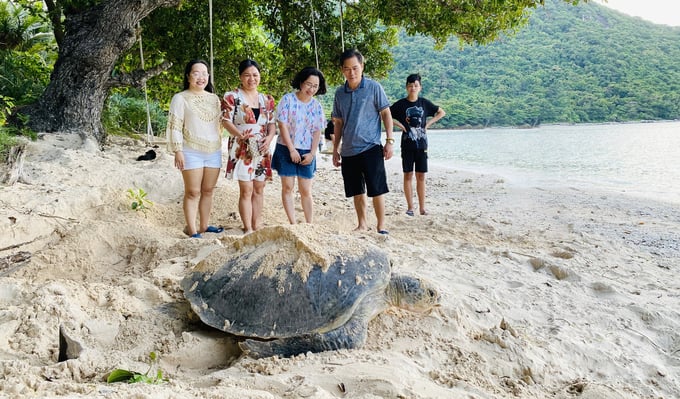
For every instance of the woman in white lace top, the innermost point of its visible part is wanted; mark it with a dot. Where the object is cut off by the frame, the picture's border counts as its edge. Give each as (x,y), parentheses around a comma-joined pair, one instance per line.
(194,135)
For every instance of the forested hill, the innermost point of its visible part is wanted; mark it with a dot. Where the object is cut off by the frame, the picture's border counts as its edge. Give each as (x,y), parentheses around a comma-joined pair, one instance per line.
(570,64)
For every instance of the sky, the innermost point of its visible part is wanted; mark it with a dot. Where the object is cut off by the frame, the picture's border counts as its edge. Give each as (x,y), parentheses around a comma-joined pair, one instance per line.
(665,12)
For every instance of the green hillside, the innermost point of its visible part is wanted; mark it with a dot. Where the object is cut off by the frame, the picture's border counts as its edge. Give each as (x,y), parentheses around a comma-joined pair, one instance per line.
(570,64)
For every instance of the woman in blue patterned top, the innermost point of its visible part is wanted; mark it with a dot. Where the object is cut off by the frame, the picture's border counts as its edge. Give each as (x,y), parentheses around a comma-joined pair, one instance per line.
(301,119)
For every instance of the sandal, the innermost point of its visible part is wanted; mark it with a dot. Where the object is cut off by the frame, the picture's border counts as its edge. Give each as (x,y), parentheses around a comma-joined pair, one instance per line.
(409,212)
(213,229)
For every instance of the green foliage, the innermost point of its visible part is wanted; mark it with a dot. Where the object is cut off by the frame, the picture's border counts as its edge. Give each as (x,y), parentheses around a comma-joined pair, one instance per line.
(7,141)
(567,65)
(23,27)
(121,375)
(125,114)
(278,34)
(27,54)
(23,75)
(139,201)
(6,105)
(9,131)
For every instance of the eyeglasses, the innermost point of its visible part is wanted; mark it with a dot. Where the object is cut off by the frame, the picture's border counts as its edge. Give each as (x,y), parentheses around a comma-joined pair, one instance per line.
(199,74)
(311,86)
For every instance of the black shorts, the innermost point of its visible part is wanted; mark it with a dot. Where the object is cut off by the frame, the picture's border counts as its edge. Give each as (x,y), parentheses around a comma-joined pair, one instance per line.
(417,157)
(365,173)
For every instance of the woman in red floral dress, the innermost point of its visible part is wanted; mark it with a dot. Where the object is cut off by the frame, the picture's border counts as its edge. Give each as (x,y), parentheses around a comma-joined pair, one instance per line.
(249,119)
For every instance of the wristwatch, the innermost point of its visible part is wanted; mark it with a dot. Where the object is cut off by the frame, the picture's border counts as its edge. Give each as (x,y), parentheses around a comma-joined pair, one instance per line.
(389,140)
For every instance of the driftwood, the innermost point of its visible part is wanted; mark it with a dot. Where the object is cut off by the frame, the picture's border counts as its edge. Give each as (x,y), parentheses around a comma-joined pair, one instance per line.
(15,164)
(10,263)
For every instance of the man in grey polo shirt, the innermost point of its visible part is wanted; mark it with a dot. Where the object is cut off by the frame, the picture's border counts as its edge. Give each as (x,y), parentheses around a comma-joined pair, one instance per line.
(359,106)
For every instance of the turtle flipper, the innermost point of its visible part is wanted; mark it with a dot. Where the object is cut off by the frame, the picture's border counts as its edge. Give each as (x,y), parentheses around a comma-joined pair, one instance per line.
(349,336)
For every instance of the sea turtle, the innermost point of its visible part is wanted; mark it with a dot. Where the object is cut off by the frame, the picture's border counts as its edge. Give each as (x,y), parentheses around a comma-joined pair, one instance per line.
(297,289)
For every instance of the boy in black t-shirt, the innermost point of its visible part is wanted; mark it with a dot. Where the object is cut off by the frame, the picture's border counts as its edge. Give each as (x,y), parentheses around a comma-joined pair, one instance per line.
(410,115)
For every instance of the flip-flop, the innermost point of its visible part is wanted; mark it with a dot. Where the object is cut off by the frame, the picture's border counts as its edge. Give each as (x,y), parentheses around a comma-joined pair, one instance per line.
(197,235)
(409,212)
(213,229)
(385,232)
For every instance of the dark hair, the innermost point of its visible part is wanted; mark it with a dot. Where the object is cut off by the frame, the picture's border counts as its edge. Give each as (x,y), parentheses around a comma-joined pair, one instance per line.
(412,78)
(304,74)
(351,53)
(187,70)
(245,64)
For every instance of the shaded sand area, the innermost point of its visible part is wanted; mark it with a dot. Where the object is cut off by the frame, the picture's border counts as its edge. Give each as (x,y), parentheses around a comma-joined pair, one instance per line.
(559,293)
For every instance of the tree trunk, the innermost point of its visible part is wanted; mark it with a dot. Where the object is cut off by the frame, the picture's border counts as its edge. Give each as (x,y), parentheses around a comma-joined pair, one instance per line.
(95,38)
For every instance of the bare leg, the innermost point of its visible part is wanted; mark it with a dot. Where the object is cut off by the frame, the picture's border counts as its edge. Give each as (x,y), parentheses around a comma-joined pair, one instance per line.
(420,190)
(245,205)
(288,197)
(258,203)
(192,193)
(408,189)
(305,187)
(360,208)
(208,183)
(379,207)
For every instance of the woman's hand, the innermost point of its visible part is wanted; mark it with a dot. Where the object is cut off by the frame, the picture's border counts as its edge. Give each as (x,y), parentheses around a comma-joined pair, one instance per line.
(179,160)
(264,145)
(295,156)
(307,159)
(245,135)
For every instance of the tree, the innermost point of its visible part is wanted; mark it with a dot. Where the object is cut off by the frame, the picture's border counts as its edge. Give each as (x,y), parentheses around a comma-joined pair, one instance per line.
(95,35)
(94,38)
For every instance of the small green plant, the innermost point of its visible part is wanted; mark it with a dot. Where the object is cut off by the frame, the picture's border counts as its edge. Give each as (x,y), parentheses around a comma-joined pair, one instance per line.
(121,375)
(139,201)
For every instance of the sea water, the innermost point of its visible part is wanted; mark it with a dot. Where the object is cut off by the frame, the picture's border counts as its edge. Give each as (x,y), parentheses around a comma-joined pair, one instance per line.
(641,159)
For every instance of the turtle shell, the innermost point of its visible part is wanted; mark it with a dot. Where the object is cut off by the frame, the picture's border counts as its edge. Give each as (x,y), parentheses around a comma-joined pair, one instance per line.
(286,281)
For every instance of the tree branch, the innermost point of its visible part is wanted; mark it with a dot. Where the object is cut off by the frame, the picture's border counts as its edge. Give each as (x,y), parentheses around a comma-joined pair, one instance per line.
(138,77)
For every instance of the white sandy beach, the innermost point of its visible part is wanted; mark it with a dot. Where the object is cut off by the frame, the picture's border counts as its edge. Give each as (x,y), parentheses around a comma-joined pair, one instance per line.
(546,293)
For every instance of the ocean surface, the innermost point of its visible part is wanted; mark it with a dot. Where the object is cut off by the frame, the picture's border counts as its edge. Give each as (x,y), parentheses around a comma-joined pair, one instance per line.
(640,159)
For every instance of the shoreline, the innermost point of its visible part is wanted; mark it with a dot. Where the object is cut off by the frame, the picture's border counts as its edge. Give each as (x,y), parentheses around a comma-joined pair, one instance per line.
(527,126)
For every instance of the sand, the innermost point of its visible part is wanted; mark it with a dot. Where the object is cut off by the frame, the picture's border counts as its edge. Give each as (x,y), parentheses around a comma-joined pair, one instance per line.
(557,292)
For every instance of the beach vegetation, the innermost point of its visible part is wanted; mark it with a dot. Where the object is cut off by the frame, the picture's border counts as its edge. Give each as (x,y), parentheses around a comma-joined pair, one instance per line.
(125,114)
(139,200)
(122,375)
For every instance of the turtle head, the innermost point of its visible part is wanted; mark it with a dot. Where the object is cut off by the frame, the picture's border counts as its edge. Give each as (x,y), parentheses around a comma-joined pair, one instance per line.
(412,293)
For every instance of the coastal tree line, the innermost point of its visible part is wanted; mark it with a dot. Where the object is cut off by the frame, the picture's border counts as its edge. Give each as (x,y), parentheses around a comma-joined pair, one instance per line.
(95,41)
(75,65)
(582,64)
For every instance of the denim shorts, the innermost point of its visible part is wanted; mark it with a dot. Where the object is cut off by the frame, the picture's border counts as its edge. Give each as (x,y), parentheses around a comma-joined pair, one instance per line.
(197,159)
(282,163)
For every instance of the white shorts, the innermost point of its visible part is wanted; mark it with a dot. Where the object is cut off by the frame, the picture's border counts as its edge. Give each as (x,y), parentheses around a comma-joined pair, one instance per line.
(197,159)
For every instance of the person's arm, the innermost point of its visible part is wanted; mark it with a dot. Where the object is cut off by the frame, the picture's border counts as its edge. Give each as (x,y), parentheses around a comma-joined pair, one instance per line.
(309,157)
(233,130)
(288,142)
(270,128)
(437,116)
(395,121)
(337,137)
(175,129)
(386,117)
(228,110)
